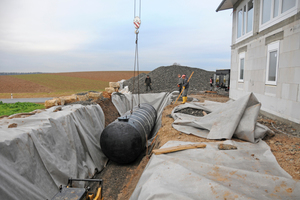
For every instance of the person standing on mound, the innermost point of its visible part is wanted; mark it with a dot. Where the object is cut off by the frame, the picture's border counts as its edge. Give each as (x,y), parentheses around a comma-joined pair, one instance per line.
(185,87)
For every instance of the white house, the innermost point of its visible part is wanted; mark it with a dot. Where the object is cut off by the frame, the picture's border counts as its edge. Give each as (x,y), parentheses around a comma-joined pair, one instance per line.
(265,54)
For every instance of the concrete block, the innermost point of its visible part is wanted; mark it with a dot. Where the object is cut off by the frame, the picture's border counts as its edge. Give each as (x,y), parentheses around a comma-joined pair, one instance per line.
(298,99)
(290,43)
(270,91)
(297,75)
(289,91)
(284,60)
(240,86)
(233,84)
(246,86)
(295,58)
(294,114)
(234,75)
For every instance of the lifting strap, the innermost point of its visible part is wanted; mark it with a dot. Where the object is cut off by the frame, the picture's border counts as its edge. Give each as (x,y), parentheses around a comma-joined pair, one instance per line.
(137,23)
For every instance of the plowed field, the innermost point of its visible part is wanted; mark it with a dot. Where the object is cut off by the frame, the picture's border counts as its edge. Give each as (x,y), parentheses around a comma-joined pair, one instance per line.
(108,76)
(58,84)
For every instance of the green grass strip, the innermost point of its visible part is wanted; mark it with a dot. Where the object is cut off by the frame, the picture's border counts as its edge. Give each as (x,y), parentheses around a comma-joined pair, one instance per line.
(13,108)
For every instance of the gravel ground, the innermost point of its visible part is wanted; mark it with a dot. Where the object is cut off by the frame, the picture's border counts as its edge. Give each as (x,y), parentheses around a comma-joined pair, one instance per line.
(164,79)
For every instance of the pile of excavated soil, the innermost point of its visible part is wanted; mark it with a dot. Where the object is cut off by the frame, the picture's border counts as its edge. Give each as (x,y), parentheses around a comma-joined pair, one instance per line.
(165,79)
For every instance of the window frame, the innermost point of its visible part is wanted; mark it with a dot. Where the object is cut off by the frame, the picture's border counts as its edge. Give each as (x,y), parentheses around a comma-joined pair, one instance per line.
(280,17)
(271,48)
(242,55)
(244,26)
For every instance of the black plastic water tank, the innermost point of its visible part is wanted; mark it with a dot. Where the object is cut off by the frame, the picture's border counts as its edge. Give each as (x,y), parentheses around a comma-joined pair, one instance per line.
(123,140)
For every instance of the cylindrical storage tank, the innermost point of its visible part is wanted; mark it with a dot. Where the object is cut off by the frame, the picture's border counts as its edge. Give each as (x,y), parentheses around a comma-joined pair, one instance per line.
(123,140)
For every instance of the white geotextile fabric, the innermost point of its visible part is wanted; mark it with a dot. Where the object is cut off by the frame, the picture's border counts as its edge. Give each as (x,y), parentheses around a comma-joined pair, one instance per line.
(250,172)
(159,101)
(225,120)
(47,148)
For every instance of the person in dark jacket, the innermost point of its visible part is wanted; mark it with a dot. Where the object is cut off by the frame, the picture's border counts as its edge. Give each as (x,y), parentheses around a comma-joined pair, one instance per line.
(148,83)
(185,87)
(179,84)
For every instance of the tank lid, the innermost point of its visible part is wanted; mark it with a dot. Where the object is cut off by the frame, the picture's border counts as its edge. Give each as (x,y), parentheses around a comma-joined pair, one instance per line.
(123,119)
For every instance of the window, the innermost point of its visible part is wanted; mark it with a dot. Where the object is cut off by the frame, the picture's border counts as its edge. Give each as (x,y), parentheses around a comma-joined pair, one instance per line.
(287,4)
(272,63)
(244,20)
(241,67)
(274,11)
(266,15)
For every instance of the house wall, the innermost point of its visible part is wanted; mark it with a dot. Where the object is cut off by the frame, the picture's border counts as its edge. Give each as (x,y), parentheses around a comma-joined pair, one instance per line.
(282,99)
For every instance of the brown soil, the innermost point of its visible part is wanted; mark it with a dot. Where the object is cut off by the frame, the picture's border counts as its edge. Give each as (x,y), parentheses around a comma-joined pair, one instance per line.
(109,110)
(9,84)
(285,148)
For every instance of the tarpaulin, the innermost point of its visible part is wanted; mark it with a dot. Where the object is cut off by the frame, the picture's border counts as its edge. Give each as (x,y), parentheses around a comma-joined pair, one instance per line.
(249,172)
(123,103)
(47,148)
(225,120)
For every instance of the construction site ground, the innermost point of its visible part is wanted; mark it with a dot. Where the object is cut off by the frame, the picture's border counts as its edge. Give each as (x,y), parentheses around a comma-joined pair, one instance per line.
(119,181)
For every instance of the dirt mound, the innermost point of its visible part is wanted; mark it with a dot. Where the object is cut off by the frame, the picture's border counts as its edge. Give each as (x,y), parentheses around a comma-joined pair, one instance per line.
(164,79)
(109,110)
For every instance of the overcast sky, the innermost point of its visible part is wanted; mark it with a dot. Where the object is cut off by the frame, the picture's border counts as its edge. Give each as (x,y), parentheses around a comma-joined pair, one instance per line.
(98,35)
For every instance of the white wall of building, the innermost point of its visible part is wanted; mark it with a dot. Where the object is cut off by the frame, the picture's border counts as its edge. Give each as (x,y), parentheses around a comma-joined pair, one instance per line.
(282,99)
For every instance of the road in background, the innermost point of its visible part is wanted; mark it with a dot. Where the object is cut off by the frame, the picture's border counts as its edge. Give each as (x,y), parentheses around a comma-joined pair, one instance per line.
(31,100)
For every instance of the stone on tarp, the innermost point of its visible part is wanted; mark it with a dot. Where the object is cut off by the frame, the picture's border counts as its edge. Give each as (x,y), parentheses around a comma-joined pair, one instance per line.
(61,101)
(82,97)
(110,90)
(94,95)
(114,84)
(50,103)
(69,99)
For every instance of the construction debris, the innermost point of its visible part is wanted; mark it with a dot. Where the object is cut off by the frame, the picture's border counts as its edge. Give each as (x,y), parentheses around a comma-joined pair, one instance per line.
(226,147)
(178,148)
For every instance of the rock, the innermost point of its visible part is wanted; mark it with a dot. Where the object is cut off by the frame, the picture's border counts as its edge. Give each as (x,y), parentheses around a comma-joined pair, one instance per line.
(62,101)
(169,115)
(82,97)
(69,99)
(109,90)
(13,125)
(50,103)
(57,109)
(226,147)
(114,84)
(95,95)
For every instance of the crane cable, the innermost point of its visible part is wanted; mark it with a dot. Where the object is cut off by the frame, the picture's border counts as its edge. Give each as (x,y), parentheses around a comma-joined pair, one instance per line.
(137,23)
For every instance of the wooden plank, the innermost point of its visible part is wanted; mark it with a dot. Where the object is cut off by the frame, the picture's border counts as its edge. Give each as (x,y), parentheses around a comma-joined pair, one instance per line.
(213,92)
(178,148)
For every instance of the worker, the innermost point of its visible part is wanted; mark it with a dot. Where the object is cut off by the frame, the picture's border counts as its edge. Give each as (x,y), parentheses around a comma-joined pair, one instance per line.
(185,87)
(148,83)
(179,84)
(211,80)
